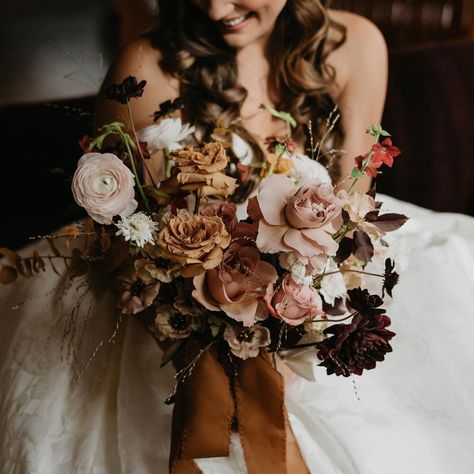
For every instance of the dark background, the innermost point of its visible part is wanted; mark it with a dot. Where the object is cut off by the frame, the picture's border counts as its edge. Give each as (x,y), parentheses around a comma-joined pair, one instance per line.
(54,55)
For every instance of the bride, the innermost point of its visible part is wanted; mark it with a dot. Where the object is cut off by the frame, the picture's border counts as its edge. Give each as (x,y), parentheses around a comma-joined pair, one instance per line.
(104,413)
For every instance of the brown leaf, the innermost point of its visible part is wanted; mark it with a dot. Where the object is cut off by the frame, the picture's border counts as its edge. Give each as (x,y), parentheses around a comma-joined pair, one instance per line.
(8,274)
(362,246)
(10,255)
(390,222)
(371,216)
(344,250)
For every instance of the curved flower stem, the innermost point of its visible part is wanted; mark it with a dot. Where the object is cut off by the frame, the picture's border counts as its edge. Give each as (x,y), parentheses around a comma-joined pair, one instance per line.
(365,164)
(134,170)
(132,124)
(352,271)
(166,154)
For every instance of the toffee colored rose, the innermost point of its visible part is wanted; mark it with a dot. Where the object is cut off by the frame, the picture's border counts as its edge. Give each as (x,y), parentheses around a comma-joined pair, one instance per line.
(213,184)
(196,243)
(353,347)
(208,159)
(248,341)
(200,170)
(223,209)
(237,285)
(103,186)
(296,220)
(295,303)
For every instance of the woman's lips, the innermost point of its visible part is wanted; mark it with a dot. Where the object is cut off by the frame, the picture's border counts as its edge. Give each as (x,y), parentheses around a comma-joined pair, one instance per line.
(236,23)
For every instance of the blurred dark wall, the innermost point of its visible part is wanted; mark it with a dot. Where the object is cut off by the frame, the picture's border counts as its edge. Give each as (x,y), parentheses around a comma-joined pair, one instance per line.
(53,49)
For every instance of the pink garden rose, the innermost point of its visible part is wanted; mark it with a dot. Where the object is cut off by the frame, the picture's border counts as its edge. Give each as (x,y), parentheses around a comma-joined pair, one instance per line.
(103,186)
(293,219)
(237,285)
(295,303)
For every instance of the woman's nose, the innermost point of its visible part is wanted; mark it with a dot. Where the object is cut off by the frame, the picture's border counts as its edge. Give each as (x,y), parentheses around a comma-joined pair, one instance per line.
(219,9)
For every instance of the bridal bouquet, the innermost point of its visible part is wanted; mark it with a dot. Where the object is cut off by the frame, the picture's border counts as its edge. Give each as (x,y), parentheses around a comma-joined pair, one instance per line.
(285,276)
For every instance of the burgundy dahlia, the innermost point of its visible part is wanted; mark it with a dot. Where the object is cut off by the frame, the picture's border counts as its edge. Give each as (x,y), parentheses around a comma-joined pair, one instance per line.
(356,346)
(365,303)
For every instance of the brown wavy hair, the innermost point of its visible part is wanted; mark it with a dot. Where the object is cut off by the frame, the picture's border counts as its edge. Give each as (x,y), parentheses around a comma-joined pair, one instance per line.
(194,52)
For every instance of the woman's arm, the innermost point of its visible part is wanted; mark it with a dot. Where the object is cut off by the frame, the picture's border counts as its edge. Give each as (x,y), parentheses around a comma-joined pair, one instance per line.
(138,58)
(361,66)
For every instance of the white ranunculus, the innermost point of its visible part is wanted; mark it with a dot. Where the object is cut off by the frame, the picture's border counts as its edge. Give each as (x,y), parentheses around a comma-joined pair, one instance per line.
(137,228)
(332,286)
(103,186)
(304,168)
(165,134)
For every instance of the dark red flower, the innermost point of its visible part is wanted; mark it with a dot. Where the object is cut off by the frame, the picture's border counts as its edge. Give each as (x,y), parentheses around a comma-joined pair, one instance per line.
(390,278)
(167,108)
(372,167)
(356,346)
(124,91)
(365,303)
(385,152)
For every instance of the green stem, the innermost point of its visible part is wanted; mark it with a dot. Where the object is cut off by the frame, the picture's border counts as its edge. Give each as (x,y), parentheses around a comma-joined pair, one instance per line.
(166,154)
(352,271)
(365,164)
(134,170)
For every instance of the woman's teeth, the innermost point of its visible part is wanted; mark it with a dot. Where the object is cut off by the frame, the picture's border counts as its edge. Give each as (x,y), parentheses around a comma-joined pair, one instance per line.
(235,21)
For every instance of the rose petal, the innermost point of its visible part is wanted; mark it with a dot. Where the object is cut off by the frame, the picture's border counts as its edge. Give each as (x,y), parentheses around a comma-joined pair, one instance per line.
(295,239)
(323,239)
(270,238)
(272,197)
(244,311)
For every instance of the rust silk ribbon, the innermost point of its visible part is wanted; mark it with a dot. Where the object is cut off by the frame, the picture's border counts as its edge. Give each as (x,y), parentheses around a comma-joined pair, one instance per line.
(212,397)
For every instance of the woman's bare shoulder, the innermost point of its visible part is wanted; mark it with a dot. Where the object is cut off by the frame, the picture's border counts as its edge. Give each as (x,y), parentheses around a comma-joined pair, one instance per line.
(364,43)
(138,58)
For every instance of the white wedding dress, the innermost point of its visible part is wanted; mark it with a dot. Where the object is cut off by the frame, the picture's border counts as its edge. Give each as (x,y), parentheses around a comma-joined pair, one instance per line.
(413,414)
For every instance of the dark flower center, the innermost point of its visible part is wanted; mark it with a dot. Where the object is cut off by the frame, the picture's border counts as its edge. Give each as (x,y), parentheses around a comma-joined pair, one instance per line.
(179,322)
(137,288)
(245,335)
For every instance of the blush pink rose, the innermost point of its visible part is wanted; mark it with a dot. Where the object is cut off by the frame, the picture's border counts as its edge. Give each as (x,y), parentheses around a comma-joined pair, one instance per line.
(299,220)
(103,186)
(294,303)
